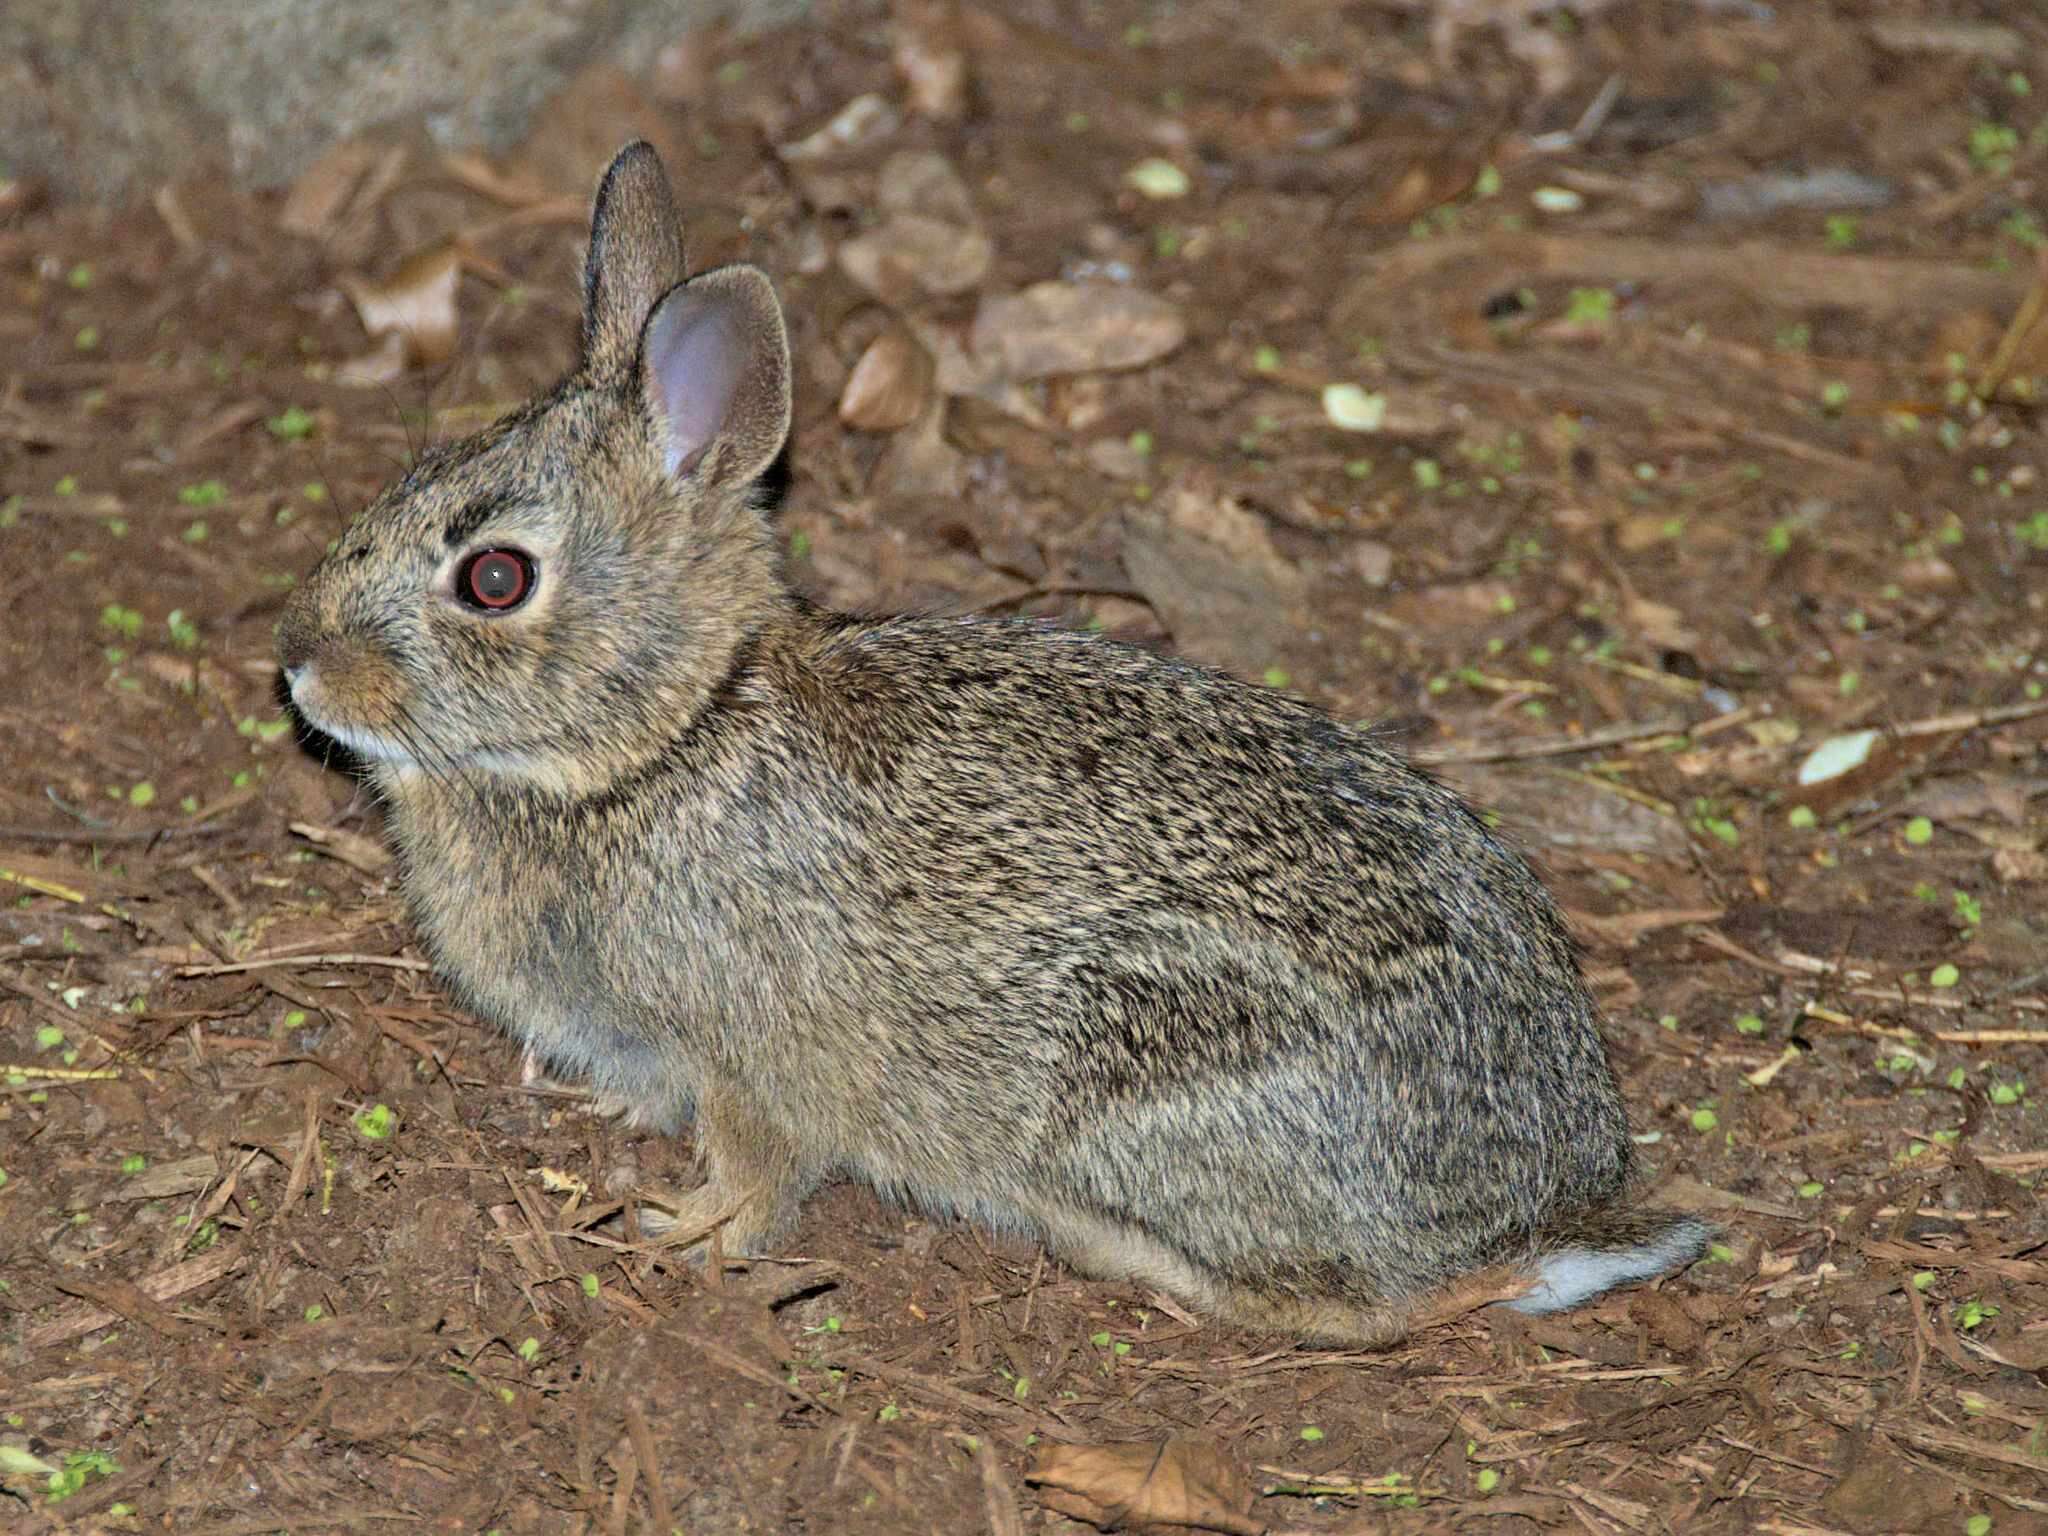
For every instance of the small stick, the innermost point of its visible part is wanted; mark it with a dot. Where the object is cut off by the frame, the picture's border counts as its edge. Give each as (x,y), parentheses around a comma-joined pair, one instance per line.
(1972,719)
(85,832)
(663,1516)
(997,1496)
(1551,746)
(391,962)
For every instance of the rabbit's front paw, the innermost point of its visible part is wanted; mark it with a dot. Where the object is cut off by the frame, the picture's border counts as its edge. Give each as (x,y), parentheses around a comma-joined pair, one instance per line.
(756,1174)
(744,1222)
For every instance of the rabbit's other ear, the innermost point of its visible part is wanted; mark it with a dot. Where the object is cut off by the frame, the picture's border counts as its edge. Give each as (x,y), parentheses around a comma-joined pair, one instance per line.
(714,370)
(636,255)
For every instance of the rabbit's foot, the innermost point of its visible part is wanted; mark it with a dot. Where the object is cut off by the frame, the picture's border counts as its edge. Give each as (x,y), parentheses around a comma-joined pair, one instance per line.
(744,1221)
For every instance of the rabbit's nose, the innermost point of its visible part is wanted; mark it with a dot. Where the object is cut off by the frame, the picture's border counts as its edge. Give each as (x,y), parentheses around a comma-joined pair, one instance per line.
(297,634)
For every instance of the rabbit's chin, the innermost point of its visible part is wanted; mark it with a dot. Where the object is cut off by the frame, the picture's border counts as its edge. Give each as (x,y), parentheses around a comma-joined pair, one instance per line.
(368,745)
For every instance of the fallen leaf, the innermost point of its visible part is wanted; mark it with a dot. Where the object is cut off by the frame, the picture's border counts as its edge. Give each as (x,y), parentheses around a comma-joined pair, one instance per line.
(1627,929)
(920,462)
(2019,866)
(1195,503)
(1183,1485)
(416,304)
(864,121)
(1373,561)
(1929,574)
(1659,623)
(480,176)
(361,853)
(1159,179)
(1353,408)
(1055,328)
(320,199)
(1836,756)
(923,181)
(928,52)
(1211,572)
(1452,606)
(890,384)
(1965,798)
(1566,810)
(913,251)
(380,365)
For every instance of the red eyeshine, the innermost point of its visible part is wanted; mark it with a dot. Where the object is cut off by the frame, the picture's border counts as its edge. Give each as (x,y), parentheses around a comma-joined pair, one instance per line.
(496,579)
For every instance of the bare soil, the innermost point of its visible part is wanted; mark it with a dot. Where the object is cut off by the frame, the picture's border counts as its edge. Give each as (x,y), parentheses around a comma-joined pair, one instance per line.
(1698,344)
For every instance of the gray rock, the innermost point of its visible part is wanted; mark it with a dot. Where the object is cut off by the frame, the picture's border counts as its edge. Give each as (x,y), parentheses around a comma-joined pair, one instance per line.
(101,97)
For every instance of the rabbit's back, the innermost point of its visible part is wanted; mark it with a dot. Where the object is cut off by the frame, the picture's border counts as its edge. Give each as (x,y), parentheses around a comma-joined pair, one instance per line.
(1196,947)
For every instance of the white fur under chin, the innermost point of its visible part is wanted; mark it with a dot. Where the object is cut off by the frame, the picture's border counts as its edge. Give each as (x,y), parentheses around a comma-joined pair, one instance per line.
(364,744)
(1572,1275)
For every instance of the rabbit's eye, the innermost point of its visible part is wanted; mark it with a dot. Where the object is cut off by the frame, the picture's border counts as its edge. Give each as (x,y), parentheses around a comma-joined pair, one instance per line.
(495,579)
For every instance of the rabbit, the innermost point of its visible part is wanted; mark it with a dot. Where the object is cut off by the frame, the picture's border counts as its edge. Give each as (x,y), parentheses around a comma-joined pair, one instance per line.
(1173,974)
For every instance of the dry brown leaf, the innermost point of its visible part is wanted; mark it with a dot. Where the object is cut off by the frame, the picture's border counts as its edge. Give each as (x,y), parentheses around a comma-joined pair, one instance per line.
(1451,606)
(889,386)
(1196,503)
(1965,798)
(1210,570)
(909,251)
(1659,623)
(861,124)
(924,181)
(1373,562)
(480,176)
(1183,1485)
(380,365)
(1056,328)
(2019,866)
(920,462)
(416,304)
(929,54)
(344,179)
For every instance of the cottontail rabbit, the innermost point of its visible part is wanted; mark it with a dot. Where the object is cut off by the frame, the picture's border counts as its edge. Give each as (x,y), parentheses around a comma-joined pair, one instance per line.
(1174,974)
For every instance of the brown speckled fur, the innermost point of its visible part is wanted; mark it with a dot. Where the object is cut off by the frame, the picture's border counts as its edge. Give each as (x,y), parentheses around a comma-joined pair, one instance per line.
(1173,973)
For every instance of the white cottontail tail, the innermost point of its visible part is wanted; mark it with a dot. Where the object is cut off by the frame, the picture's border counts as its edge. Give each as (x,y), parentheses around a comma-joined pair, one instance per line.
(1174,974)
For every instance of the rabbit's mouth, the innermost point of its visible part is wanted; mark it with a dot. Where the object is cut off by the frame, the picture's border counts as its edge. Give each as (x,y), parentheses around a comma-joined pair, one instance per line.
(371,746)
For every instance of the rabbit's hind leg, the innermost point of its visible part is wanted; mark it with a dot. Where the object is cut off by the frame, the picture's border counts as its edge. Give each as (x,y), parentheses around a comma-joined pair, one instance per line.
(1115,1250)
(1109,1249)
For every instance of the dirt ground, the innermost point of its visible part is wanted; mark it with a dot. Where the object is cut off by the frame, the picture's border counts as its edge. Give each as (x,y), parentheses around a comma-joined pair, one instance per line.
(1629,404)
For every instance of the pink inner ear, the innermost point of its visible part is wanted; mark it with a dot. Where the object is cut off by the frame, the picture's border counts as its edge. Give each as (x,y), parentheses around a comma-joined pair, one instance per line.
(693,356)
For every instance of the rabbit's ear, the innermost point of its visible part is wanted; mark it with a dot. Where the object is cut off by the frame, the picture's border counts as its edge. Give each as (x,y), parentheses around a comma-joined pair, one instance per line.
(636,255)
(714,369)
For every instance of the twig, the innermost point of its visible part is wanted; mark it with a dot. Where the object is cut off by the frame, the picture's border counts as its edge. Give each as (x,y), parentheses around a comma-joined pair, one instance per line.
(997,1495)
(1790,275)
(925,1386)
(1972,719)
(162,1286)
(662,1516)
(1552,746)
(390,962)
(84,833)
(2023,321)
(32,1074)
